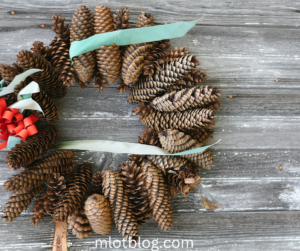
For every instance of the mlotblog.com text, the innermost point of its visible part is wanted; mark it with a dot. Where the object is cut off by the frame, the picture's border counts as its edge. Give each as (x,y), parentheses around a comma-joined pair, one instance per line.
(153,245)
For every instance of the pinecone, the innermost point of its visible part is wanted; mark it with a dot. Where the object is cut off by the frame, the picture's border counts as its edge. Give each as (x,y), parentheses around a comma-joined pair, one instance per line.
(79,224)
(48,78)
(146,90)
(51,163)
(133,62)
(156,57)
(103,20)
(192,78)
(41,170)
(184,182)
(48,106)
(42,50)
(9,98)
(108,57)
(17,89)
(61,62)
(18,68)
(60,28)
(122,87)
(109,62)
(17,202)
(55,190)
(135,186)
(38,209)
(184,121)
(8,73)
(144,20)
(178,87)
(176,69)
(201,134)
(82,28)
(121,19)
(169,164)
(97,183)
(46,202)
(122,207)
(187,98)
(100,82)
(135,54)
(98,212)
(21,85)
(149,137)
(158,194)
(181,175)
(138,159)
(177,53)
(32,148)
(174,141)
(77,185)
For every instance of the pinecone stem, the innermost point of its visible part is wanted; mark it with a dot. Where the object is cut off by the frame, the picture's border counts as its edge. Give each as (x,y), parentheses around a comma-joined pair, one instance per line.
(60,237)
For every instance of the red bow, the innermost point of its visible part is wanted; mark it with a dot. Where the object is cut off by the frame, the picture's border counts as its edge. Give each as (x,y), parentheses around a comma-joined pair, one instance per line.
(13,124)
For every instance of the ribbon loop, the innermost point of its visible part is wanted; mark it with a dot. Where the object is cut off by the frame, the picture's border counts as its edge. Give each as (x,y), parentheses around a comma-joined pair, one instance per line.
(17,79)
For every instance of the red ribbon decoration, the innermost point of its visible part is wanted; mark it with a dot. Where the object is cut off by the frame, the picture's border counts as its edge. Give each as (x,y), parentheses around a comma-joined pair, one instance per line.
(13,124)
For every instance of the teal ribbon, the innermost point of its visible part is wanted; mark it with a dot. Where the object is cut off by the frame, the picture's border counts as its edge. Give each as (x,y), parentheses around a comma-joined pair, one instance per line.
(130,36)
(24,98)
(12,141)
(17,80)
(2,85)
(122,147)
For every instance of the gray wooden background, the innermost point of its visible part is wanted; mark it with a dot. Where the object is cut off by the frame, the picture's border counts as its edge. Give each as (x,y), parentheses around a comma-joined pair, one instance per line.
(243,46)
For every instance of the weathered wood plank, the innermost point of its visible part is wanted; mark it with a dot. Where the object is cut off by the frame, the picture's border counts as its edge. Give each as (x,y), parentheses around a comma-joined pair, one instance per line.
(231,195)
(250,13)
(267,103)
(238,180)
(251,164)
(209,231)
(269,121)
(262,54)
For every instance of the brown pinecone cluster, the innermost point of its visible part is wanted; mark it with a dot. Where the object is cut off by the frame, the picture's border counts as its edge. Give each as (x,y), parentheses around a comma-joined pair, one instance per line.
(34,178)
(102,65)
(55,195)
(177,110)
(23,154)
(131,196)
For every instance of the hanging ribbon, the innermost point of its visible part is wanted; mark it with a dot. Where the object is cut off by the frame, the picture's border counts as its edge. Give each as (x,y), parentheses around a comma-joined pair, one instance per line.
(130,36)
(24,98)
(17,80)
(12,123)
(122,147)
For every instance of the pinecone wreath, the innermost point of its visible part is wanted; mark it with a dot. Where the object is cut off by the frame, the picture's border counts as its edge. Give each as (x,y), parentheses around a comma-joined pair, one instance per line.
(178,111)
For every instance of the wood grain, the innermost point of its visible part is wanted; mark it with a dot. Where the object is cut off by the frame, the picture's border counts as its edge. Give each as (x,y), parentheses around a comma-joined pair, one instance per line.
(209,231)
(243,47)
